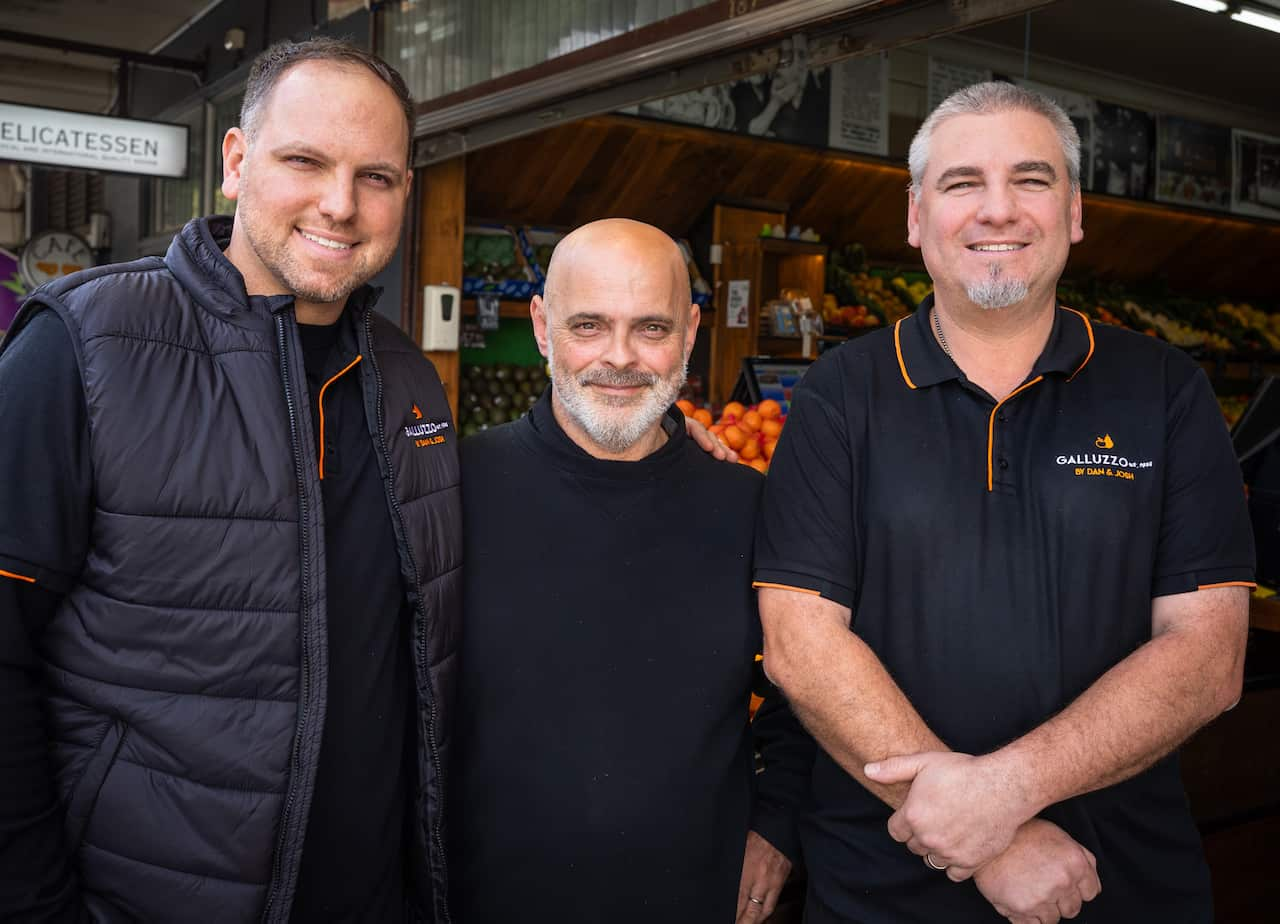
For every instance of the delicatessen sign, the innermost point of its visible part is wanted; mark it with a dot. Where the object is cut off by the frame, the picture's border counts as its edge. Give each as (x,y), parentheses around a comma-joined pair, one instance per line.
(92,142)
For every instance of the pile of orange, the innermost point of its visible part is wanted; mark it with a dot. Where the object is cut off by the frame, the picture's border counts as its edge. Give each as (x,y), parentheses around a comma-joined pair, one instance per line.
(752,432)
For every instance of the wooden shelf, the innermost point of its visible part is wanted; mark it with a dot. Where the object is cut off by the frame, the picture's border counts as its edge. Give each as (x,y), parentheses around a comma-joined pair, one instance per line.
(506,309)
(785,245)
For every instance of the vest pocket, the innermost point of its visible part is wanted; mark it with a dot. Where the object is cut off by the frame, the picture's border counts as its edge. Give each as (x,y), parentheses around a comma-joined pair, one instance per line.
(85,795)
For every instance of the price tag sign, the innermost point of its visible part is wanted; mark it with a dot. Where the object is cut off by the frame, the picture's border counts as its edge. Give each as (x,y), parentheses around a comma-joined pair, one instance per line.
(736,306)
(472,338)
(487,311)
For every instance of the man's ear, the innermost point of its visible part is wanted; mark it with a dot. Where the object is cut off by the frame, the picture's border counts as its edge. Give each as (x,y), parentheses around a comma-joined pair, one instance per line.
(691,332)
(538,313)
(235,146)
(913,219)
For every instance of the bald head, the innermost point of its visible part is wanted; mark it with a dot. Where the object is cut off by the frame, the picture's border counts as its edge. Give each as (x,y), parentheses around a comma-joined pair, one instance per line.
(616,324)
(618,255)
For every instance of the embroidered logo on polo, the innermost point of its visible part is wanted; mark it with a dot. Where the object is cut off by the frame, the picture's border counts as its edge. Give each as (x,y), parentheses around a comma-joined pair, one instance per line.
(428,432)
(1104,464)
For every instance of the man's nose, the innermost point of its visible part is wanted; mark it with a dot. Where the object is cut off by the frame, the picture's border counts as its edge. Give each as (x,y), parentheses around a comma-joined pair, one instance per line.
(619,351)
(338,199)
(999,204)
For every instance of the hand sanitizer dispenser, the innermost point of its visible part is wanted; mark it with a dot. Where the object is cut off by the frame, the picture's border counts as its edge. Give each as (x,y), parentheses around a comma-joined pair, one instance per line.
(441,307)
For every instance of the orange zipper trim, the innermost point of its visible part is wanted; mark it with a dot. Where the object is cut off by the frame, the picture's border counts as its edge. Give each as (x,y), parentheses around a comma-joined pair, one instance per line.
(320,401)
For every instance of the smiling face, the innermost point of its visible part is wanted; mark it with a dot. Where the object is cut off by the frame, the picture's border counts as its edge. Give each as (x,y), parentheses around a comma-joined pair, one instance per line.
(320,187)
(617,327)
(995,214)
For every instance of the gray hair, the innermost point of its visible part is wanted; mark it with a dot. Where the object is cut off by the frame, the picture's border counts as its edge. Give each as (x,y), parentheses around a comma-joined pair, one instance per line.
(272,64)
(988,98)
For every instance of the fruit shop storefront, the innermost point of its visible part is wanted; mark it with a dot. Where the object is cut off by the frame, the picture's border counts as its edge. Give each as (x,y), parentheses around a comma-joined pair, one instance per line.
(779,165)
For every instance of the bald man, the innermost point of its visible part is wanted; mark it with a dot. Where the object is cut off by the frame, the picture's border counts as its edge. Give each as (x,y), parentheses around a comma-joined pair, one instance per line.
(604,760)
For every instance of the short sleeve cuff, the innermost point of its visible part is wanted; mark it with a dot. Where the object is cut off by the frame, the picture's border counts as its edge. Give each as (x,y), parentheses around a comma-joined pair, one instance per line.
(1202,579)
(804,583)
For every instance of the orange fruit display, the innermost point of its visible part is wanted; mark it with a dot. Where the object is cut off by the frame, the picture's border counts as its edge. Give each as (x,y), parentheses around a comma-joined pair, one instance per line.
(734,437)
(750,450)
(752,420)
(732,409)
(702,416)
(769,409)
(760,465)
(686,407)
(770,428)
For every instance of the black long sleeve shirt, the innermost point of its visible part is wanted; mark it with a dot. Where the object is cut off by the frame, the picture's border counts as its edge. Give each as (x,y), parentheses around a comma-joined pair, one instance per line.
(603,763)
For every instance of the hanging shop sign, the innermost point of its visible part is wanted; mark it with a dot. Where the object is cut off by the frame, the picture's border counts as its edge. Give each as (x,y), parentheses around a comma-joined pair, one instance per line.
(51,254)
(90,142)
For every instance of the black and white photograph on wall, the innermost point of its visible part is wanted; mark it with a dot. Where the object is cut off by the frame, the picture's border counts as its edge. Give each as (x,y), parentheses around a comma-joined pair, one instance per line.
(1080,109)
(1124,141)
(709,107)
(790,103)
(945,77)
(1193,163)
(1255,188)
(860,105)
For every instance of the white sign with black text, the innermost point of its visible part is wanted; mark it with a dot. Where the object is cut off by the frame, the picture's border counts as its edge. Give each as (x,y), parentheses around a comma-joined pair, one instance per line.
(92,142)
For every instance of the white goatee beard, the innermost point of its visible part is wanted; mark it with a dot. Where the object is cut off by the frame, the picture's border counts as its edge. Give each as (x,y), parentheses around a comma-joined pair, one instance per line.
(614,424)
(996,291)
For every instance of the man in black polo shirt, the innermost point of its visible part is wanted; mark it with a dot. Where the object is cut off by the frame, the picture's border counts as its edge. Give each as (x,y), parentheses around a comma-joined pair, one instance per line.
(997,530)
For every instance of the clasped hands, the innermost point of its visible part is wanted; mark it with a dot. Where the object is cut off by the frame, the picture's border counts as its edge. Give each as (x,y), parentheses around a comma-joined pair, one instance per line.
(974,817)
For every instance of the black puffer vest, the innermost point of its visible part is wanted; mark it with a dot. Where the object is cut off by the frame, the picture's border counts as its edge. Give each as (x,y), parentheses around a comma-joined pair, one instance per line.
(187,668)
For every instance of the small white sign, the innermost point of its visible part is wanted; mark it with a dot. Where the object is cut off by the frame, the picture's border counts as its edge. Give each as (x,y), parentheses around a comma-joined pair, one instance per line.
(859,119)
(736,309)
(946,77)
(91,142)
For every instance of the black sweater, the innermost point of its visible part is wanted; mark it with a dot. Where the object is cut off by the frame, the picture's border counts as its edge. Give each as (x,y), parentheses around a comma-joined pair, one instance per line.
(610,627)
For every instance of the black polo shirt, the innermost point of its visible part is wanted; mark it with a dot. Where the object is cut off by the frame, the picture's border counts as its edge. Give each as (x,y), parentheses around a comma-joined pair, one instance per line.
(999,557)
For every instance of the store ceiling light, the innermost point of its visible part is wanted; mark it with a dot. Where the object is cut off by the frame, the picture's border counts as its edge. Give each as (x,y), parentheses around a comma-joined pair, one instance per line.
(1242,13)
(1261,20)
(1209,6)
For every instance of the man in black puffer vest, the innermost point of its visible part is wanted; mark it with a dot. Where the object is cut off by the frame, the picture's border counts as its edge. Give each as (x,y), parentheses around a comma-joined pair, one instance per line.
(229,549)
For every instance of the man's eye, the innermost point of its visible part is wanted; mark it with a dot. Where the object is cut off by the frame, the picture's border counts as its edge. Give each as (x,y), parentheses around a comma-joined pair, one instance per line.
(585,326)
(299,159)
(1034,182)
(379,178)
(960,187)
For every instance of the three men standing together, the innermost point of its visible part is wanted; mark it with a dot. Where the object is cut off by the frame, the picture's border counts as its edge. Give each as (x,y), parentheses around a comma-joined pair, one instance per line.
(232,618)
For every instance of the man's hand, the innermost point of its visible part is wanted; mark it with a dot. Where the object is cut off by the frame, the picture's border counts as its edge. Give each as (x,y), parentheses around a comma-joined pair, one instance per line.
(961,811)
(708,443)
(764,871)
(1043,876)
